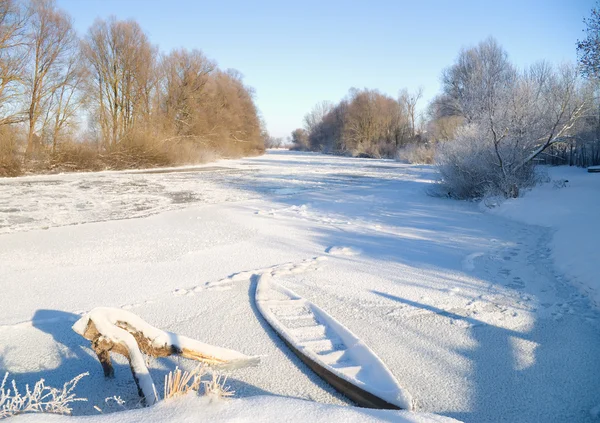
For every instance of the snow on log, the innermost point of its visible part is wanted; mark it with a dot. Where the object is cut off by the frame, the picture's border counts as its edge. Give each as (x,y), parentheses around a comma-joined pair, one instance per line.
(122,332)
(593,169)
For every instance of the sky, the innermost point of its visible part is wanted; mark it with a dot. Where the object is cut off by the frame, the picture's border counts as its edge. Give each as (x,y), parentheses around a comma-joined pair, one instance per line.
(297,54)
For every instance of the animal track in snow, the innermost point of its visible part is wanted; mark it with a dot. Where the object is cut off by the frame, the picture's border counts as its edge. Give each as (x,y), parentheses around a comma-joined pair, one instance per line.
(306,265)
(277,270)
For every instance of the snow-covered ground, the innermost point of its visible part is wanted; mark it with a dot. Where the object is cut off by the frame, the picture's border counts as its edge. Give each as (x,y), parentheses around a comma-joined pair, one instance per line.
(263,409)
(570,205)
(466,308)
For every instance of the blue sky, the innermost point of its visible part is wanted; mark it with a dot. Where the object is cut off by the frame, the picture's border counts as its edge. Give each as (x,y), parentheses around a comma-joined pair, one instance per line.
(296,54)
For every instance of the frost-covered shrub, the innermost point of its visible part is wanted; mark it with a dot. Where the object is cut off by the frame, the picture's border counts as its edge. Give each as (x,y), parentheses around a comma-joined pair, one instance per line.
(40,399)
(471,167)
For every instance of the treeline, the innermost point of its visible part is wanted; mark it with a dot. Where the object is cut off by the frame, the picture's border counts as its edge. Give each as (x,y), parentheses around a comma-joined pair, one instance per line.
(366,123)
(487,129)
(111,99)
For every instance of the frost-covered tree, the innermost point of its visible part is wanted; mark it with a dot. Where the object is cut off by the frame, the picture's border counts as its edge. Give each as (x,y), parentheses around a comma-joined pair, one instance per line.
(589,48)
(511,117)
(588,51)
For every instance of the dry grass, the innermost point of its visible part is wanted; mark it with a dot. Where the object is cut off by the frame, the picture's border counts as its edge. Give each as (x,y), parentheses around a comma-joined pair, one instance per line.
(216,387)
(10,159)
(179,383)
(139,154)
(74,157)
(417,153)
(10,165)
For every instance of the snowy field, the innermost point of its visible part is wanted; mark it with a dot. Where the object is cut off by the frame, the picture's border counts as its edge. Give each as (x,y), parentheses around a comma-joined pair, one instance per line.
(482,315)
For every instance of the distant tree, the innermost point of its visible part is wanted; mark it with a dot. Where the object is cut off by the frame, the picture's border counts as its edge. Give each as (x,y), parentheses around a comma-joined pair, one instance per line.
(365,123)
(441,125)
(313,118)
(299,140)
(409,102)
(274,142)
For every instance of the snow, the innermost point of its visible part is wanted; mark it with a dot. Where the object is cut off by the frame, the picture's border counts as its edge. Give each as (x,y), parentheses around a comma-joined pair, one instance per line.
(343,251)
(265,409)
(570,206)
(472,311)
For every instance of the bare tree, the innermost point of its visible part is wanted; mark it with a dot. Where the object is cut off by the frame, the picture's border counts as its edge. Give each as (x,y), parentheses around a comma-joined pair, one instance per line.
(316,115)
(52,67)
(13,56)
(66,99)
(121,60)
(409,102)
(185,76)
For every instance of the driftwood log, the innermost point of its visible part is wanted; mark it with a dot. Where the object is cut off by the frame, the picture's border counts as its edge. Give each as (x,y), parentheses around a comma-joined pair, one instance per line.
(122,332)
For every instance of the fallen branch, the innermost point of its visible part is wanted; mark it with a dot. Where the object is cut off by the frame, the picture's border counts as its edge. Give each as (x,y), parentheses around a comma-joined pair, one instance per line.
(122,332)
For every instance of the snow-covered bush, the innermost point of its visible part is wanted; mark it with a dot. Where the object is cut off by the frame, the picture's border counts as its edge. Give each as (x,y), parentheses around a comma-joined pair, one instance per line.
(42,399)
(470,169)
(512,116)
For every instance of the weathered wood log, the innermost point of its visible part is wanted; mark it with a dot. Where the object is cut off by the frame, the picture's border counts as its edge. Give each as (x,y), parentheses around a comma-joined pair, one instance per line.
(122,332)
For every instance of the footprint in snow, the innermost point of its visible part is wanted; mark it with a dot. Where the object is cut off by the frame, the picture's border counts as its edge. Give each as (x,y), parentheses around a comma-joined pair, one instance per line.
(468,262)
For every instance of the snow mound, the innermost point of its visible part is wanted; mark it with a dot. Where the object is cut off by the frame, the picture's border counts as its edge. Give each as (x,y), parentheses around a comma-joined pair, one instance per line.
(264,409)
(343,251)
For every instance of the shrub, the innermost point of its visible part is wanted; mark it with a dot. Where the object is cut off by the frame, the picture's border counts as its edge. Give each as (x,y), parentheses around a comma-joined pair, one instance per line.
(470,169)
(10,161)
(42,399)
(417,153)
